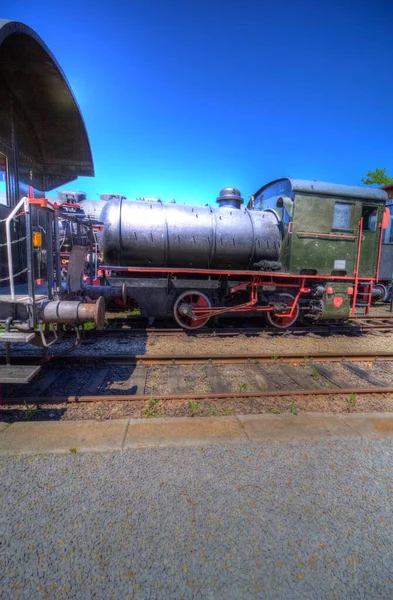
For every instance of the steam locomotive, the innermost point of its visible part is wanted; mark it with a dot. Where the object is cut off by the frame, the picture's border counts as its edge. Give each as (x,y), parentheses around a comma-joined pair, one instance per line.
(299,250)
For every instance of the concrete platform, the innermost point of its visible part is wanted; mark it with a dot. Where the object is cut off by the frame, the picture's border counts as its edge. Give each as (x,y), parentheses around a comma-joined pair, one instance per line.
(183,431)
(42,437)
(46,437)
(370,425)
(288,427)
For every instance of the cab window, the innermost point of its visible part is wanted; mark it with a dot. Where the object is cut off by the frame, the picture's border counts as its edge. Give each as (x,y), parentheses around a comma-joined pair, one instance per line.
(3,180)
(267,198)
(342,216)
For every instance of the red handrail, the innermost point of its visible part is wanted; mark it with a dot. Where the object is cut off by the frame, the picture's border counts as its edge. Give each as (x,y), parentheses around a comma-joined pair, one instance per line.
(379,251)
(356,272)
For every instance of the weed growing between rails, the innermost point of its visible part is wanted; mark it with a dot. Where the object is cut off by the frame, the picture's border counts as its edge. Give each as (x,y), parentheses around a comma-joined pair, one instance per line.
(30,412)
(293,407)
(150,411)
(351,402)
(193,407)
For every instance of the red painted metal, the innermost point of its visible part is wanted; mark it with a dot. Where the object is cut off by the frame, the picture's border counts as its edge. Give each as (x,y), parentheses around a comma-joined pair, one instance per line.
(388,189)
(386,218)
(237,288)
(197,301)
(270,277)
(42,202)
(369,298)
(251,304)
(356,272)
(337,301)
(380,249)
(294,305)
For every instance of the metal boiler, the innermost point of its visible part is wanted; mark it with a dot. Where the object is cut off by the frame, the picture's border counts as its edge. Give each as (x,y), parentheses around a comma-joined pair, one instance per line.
(144,233)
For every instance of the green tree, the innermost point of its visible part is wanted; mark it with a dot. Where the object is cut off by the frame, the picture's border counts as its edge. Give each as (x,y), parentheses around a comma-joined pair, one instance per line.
(377,177)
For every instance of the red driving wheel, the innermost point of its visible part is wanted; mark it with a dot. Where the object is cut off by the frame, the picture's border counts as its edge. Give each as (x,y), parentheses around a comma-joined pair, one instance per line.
(186,301)
(283,321)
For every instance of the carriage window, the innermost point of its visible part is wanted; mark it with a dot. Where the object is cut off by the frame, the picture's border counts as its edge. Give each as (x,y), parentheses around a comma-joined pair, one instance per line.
(3,180)
(369,215)
(342,216)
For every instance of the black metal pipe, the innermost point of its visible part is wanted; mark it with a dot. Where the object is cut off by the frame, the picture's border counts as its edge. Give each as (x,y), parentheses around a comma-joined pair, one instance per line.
(116,292)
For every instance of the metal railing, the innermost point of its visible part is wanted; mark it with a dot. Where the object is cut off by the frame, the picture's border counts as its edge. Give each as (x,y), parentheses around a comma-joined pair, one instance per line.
(23,203)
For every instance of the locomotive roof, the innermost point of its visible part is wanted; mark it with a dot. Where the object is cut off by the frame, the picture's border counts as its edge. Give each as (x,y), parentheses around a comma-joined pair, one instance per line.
(331,189)
(36,81)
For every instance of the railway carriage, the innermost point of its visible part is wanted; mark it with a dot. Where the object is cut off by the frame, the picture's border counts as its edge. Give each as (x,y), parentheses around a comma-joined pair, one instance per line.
(43,144)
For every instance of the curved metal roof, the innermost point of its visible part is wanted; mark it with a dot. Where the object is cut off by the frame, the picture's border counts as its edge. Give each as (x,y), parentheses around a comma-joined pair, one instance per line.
(331,189)
(36,81)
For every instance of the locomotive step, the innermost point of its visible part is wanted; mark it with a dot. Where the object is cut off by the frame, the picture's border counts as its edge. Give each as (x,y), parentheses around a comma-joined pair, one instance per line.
(18,373)
(16,337)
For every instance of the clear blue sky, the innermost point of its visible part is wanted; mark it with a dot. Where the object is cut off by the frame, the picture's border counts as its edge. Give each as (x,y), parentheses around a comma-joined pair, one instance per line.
(183,97)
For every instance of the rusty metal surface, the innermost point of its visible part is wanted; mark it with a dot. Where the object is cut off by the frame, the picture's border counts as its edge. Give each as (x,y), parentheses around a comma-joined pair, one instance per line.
(164,359)
(206,396)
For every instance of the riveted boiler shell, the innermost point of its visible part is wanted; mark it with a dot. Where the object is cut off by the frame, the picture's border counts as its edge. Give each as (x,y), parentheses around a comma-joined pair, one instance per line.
(173,235)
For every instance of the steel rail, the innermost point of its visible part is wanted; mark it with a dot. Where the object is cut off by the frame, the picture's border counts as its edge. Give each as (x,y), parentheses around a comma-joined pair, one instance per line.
(223,332)
(251,331)
(164,359)
(206,396)
(260,358)
(323,328)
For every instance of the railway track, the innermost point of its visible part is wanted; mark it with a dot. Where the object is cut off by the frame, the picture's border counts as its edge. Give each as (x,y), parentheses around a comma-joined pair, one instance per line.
(202,377)
(247,331)
(165,359)
(356,326)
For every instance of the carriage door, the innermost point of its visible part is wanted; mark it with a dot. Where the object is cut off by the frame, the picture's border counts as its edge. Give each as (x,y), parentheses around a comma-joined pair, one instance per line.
(369,246)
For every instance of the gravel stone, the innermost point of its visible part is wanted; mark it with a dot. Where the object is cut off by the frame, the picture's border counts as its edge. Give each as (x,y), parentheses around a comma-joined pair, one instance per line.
(287,521)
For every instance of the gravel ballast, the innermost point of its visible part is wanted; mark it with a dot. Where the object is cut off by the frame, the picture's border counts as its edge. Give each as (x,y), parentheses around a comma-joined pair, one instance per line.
(280,521)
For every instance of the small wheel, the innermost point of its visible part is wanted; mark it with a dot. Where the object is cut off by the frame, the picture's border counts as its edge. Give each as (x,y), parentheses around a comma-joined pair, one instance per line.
(282,321)
(186,301)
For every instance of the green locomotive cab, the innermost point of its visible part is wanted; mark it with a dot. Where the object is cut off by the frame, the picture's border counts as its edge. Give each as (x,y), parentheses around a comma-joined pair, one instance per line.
(331,234)
(322,225)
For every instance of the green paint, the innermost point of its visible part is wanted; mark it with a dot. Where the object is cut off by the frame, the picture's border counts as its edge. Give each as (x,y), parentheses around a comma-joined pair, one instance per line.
(314,246)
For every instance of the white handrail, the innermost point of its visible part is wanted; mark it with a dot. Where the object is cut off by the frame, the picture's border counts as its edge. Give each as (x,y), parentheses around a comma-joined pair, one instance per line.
(9,244)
